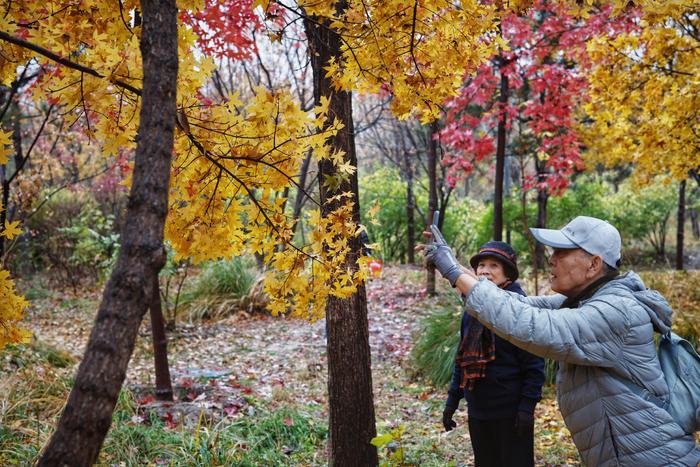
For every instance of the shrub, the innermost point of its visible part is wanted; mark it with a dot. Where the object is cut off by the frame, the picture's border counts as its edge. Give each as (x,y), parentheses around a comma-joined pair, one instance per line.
(436,346)
(643,214)
(220,287)
(71,238)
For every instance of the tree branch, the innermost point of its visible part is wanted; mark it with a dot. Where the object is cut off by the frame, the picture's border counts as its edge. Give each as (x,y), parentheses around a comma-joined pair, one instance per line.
(63,61)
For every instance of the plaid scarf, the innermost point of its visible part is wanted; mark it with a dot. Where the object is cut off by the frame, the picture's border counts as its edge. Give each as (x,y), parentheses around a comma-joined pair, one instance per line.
(478,347)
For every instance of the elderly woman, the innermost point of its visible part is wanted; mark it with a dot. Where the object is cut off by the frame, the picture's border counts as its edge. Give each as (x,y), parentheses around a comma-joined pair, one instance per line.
(500,382)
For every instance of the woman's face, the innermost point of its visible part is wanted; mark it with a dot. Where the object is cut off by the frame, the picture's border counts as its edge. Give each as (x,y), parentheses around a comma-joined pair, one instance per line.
(492,270)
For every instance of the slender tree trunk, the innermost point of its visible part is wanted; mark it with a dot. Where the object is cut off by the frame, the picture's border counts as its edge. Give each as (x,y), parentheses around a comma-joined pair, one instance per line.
(164,387)
(694,222)
(6,177)
(351,406)
(301,196)
(542,198)
(88,413)
(432,196)
(500,154)
(410,210)
(541,222)
(5,201)
(680,232)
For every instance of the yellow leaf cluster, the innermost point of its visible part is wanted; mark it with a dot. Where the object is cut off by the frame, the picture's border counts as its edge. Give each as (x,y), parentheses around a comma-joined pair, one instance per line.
(324,268)
(419,51)
(645,96)
(11,305)
(232,166)
(12,308)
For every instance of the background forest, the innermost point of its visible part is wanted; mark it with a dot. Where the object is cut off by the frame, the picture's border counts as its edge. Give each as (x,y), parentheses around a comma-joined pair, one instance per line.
(274,135)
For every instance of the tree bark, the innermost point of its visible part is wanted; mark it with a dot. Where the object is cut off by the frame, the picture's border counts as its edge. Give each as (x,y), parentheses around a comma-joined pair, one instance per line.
(351,406)
(164,387)
(680,232)
(541,223)
(432,197)
(694,222)
(500,154)
(88,413)
(410,210)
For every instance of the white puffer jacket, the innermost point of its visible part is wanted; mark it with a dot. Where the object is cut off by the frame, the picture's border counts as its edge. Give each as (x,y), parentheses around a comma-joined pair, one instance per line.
(609,337)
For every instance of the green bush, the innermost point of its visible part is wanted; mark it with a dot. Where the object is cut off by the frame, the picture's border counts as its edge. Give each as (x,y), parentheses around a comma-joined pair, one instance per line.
(643,214)
(219,287)
(436,346)
(71,238)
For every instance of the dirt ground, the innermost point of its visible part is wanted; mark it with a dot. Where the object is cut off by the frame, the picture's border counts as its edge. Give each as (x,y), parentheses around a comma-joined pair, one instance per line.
(279,361)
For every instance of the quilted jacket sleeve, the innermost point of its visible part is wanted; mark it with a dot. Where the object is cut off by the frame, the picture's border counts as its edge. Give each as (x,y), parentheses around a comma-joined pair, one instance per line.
(544,301)
(592,334)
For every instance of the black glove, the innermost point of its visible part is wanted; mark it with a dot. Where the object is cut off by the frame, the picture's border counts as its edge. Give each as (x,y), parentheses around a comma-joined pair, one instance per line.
(439,254)
(524,424)
(447,421)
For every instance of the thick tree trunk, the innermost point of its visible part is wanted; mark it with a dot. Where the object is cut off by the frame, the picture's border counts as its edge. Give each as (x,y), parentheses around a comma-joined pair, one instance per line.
(410,210)
(164,387)
(680,232)
(351,405)
(500,155)
(432,197)
(88,413)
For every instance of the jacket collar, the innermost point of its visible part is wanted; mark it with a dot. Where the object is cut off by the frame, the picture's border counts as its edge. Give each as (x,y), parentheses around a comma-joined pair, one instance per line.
(588,292)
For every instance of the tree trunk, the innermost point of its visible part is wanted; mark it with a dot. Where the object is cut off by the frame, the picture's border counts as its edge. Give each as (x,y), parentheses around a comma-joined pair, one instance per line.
(694,222)
(351,406)
(410,210)
(542,198)
(500,154)
(301,195)
(88,413)
(432,197)
(164,388)
(680,232)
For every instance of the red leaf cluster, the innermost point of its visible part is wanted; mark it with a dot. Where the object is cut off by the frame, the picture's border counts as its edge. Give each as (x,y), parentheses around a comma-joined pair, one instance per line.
(225,28)
(545,67)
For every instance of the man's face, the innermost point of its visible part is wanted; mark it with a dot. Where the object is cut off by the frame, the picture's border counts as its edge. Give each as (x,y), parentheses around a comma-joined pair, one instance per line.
(570,271)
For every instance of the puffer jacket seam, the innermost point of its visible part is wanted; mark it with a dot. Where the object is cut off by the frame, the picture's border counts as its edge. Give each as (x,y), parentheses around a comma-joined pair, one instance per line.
(612,438)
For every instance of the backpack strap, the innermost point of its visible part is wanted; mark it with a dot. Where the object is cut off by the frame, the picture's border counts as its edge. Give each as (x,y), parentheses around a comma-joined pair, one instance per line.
(645,393)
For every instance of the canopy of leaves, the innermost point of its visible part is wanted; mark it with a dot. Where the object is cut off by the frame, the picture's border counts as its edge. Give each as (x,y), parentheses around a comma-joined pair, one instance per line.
(645,95)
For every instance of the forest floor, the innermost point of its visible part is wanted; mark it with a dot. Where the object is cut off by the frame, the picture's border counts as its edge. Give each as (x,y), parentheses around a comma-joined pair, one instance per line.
(244,364)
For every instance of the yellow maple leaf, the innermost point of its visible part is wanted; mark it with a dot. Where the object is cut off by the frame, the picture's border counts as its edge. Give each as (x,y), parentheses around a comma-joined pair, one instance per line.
(5,141)
(11,230)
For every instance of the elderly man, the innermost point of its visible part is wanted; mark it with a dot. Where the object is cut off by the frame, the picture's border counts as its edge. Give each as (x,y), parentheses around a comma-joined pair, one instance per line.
(600,327)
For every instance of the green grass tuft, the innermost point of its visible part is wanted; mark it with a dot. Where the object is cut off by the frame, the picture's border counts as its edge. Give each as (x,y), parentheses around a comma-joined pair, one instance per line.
(434,352)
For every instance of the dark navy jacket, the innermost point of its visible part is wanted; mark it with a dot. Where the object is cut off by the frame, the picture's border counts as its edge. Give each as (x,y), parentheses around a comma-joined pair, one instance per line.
(513,381)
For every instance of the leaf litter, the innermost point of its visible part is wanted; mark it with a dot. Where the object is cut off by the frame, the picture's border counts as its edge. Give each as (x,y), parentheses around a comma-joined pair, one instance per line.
(225,368)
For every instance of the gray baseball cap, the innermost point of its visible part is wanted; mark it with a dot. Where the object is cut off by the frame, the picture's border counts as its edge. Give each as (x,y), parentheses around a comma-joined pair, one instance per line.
(595,236)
